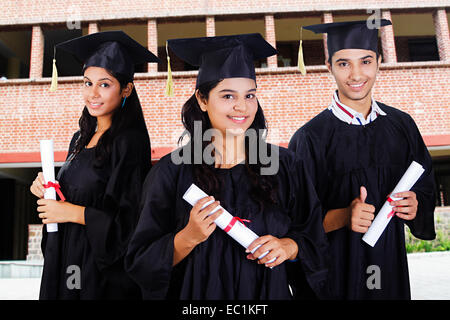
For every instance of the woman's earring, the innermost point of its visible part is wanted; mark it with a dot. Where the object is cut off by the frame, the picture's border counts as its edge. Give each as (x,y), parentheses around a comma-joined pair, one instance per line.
(123,103)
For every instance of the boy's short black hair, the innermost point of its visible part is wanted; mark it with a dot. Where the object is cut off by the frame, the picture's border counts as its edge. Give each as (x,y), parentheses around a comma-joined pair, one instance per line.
(377,53)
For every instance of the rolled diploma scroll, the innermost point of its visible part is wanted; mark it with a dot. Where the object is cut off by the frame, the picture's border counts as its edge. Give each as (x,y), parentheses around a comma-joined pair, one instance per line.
(48,170)
(383,217)
(238,232)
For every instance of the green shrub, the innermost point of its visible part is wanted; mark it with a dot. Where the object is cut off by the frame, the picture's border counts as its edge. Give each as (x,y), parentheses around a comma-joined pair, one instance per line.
(441,243)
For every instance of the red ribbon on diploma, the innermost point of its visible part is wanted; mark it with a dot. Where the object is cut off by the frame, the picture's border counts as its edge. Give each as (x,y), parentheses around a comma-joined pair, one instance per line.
(392,213)
(57,189)
(232,223)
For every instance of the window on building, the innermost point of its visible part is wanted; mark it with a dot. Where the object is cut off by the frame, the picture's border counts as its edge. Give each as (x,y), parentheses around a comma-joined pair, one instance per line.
(441,167)
(18,210)
(15,48)
(423,49)
(240,25)
(174,29)
(66,63)
(137,31)
(415,37)
(287,31)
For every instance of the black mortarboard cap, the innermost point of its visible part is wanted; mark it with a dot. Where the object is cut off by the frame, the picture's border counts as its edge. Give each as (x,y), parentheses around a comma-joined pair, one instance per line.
(223,56)
(112,50)
(350,34)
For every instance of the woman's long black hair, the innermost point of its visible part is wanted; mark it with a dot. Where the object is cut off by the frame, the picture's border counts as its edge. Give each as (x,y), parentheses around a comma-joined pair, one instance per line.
(126,117)
(263,187)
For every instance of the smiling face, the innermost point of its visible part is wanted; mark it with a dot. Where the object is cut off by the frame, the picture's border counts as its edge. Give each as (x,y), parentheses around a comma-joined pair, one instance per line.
(102,93)
(231,105)
(355,73)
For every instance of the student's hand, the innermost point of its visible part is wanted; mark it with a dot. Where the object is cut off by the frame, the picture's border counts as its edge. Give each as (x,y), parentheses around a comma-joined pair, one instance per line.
(201,224)
(281,249)
(361,214)
(405,208)
(37,187)
(53,211)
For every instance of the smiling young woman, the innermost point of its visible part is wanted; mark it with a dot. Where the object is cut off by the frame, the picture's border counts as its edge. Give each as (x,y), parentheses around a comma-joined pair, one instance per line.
(176,251)
(103,94)
(231,107)
(102,177)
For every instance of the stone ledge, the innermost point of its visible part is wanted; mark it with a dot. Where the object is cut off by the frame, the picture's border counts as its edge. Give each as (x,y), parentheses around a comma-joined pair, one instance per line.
(259,71)
(434,254)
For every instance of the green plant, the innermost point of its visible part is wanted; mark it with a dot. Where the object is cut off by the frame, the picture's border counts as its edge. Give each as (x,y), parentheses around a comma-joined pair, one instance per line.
(441,243)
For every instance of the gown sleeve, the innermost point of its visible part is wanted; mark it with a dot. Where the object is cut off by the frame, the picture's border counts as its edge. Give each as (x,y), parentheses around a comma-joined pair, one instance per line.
(422,226)
(307,231)
(110,227)
(150,253)
(304,145)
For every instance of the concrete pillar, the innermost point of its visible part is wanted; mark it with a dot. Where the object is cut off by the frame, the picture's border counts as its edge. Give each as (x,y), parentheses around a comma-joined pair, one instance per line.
(442,34)
(388,39)
(271,38)
(327,17)
(93,28)
(210,27)
(152,42)
(37,53)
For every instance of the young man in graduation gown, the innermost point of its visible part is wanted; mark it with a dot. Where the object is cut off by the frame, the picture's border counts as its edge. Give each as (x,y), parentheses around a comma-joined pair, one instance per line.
(356,151)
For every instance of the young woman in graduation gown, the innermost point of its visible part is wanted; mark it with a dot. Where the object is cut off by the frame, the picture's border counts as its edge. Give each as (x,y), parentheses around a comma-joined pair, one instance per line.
(177,252)
(108,159)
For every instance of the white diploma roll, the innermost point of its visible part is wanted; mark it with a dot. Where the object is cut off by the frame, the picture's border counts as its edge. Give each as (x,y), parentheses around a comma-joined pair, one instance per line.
(383,217)
(48,170)
(239,232)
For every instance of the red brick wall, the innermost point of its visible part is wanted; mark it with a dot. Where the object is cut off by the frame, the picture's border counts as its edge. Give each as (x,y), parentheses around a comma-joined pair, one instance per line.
(28,112)
(38,11)
(34,251)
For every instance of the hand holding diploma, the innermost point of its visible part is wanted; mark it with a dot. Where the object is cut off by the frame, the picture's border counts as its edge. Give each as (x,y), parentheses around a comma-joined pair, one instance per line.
(201,220)
(37,187)
(44,186)
(231,225)
(390,207)
(406,208)
(279,249)
(48,169)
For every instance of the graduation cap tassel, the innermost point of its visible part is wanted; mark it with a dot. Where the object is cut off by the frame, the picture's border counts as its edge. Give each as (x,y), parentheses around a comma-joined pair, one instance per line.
(54,84)
(169,83)
(301,62)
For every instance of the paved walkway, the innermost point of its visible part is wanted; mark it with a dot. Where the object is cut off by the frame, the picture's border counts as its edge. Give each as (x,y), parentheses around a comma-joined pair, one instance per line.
(429,276)
(19,289)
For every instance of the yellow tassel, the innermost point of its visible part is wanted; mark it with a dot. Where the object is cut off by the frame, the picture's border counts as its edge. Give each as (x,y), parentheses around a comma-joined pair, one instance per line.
(301,62)
(169,83)
(54,84)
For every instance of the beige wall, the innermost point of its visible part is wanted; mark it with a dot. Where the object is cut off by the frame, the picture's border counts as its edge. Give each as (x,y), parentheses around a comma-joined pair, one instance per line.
(18,42)
(288,29)
(240,26)
(136,31)
(173,30)
(413,24)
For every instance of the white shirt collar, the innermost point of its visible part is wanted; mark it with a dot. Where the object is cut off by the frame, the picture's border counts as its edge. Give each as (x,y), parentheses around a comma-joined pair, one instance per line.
(350,116)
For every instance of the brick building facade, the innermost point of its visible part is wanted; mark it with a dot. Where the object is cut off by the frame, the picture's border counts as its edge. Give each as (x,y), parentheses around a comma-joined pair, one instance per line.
(411,78)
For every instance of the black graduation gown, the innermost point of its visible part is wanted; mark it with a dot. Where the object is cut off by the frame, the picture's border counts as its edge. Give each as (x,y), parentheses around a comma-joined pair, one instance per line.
(218,268)
(111,195)
(341,158)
